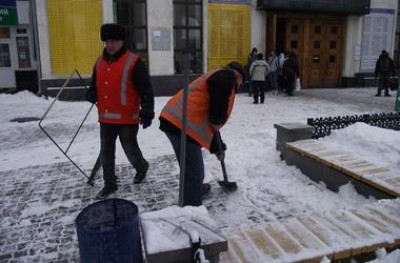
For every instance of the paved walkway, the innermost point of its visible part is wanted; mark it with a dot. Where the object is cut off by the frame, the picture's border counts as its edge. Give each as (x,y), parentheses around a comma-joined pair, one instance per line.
(362,97)
(44,232)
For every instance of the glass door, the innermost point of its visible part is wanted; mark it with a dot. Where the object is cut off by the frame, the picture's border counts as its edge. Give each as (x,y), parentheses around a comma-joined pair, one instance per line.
(7,76)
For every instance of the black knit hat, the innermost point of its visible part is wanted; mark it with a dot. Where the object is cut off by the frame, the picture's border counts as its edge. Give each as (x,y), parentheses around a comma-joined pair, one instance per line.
(112,31)
(239,68)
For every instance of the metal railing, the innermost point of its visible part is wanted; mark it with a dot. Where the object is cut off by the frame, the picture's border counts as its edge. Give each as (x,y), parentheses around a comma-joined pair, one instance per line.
(323,126)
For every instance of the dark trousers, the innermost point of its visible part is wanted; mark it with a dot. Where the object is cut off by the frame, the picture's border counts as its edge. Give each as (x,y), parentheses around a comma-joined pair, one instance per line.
(290,83)
(127,134)
(383,83)
(258,90)
(194,170)
(273,78)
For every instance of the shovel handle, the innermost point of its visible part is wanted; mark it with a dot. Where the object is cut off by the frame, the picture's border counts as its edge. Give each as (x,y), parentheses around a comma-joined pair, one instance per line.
(224,171)
(219,143)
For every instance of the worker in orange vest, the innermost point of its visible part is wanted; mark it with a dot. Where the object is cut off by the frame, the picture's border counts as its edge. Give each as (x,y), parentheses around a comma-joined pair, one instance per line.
(125,98)
(209,105)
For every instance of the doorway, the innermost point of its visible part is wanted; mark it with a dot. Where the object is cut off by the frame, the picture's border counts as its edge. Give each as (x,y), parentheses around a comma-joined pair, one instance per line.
(317,43)
(7,75)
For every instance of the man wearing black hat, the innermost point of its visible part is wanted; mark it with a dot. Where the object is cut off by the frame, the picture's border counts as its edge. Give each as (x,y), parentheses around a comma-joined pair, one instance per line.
(124,97)
(210,103)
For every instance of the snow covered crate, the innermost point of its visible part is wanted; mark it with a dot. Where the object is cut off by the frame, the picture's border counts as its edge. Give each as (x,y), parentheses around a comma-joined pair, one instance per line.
(168,233)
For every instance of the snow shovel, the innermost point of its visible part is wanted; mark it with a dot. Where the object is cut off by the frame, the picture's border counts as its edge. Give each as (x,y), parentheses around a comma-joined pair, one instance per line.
(231,186)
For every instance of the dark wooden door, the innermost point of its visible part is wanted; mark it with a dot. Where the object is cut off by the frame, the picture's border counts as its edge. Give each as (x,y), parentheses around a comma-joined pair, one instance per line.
(294,39)
(324,58)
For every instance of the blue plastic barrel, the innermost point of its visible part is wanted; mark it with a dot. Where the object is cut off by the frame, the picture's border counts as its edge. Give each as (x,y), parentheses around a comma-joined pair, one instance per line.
(108,231)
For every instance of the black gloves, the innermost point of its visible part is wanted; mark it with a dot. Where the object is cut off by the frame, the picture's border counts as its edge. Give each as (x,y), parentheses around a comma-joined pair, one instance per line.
(91,96)
(214,148)
(145,122)
(146,117)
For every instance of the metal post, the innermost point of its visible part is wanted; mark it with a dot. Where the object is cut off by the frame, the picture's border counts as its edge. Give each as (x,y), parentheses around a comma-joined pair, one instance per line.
(36,43)
(186,61)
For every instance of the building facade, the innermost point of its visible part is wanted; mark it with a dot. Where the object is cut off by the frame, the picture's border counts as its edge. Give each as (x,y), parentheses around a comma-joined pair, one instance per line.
(18,55)
(47,40)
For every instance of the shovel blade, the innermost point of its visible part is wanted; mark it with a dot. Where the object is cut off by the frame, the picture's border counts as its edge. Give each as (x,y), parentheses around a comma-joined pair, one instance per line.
(231,186)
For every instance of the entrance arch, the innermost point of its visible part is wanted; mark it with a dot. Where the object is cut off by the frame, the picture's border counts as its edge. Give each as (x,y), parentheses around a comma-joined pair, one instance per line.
(316,40)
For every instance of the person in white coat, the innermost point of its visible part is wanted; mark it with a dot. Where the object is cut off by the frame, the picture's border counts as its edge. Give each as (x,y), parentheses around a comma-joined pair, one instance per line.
(258,72)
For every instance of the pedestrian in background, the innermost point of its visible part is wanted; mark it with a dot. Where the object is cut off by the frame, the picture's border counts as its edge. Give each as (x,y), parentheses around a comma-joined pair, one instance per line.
(122,89)
(209,105)
(250,59)
(384,69)
(273,63)
(290,73)
(282,59)
(259,71)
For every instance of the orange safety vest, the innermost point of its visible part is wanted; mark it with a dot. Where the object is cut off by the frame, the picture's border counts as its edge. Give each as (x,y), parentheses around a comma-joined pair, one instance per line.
(198,126)
(117,97)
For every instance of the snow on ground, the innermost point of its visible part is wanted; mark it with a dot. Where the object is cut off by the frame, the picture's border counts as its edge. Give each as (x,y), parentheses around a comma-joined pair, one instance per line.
(268,188)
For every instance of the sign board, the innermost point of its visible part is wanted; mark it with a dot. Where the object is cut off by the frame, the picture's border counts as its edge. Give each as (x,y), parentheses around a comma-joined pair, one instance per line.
(161,39)
(8,13)
(377,35)
(243,2)
(356,7)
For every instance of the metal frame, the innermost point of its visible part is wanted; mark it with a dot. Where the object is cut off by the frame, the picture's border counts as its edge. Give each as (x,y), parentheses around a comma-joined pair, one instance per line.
(76,132)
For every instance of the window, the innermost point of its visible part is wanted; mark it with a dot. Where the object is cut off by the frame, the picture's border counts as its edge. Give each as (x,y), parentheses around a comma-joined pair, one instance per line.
(73,35)
(4,32)
(132,15)
(5,57)
(294,29)
(188,34)
(24,57)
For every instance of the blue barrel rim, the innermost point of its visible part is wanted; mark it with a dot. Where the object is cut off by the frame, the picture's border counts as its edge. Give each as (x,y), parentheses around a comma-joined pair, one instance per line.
(105,201)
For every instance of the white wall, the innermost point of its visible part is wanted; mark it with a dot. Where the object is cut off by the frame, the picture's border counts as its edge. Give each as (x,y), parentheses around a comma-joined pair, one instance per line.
(44,44)
(160,15)
(352,49)
(258,28)
(23,12)
(108,11)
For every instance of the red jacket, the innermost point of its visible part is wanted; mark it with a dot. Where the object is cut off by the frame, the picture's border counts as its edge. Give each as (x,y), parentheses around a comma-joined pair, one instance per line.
(117,98)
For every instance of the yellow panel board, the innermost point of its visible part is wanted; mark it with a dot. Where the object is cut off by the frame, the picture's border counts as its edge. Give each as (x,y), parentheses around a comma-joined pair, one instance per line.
(74,27)
(228,34)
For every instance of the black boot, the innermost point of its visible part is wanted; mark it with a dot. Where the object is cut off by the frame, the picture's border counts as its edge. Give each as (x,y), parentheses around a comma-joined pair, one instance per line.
(141,174)
(106,191)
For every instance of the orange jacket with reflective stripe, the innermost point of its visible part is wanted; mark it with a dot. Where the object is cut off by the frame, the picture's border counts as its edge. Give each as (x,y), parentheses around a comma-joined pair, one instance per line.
(117,98)
(198,126)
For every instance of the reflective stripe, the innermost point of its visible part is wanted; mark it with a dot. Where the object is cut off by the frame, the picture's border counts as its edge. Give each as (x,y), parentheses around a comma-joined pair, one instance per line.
(125,78)
(201,129)
(109,115)
(116,116)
